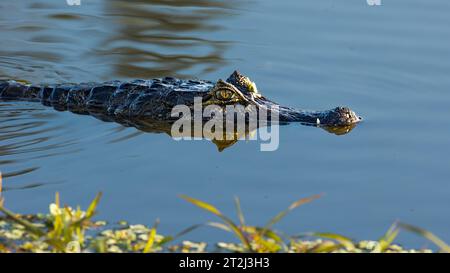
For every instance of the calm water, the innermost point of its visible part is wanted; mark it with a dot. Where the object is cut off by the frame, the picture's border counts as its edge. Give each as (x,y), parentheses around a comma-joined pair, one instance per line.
(388,63)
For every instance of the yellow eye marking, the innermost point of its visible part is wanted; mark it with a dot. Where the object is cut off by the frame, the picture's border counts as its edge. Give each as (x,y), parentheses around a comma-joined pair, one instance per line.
(224,94)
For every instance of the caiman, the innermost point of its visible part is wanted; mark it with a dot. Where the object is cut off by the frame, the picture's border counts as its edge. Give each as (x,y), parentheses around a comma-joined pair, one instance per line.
(138,102)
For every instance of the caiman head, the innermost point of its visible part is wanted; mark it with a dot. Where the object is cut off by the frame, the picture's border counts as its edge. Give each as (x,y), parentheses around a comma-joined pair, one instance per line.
(239,89)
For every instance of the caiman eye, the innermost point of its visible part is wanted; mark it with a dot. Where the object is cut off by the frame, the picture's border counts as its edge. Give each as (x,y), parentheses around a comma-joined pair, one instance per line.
(225,95)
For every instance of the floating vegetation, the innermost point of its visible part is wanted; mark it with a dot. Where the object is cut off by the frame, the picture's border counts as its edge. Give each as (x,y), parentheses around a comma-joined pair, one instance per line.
(69,230)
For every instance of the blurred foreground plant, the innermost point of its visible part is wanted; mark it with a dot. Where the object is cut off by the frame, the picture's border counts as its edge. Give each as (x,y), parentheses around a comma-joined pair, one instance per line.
(265,239)
(65,229)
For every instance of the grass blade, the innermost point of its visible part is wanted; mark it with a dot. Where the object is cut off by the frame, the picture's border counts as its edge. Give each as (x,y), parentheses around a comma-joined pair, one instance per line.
(168,239)
(29,226)
(293,206)
(210,208)
(239,211)
(325,247)
(57,200)
(387,238)
(428,235)
(344,241)
(219,226)
(202,205)
(93,206)
(185,231)
(151,238)
(1,188)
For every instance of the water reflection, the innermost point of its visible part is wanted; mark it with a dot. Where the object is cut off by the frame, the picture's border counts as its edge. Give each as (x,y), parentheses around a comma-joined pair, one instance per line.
(104,40)
(223,140)
(26,135)
(228,137)
(159,38)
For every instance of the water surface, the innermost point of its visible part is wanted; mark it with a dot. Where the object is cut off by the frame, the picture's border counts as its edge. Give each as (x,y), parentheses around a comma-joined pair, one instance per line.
(389,63)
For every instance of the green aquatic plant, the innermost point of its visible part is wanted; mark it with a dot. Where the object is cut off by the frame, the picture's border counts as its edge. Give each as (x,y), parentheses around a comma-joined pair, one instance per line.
(254,238)
(64,229)
(428,235)
(265,239)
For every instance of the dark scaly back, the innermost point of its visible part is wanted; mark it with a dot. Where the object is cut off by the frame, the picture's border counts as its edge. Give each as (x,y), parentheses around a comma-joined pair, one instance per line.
(77,97)
(3,86)
(12,90)
(111,100)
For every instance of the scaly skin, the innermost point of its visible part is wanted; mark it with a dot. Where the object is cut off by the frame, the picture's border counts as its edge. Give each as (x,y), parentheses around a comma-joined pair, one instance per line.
(139,101)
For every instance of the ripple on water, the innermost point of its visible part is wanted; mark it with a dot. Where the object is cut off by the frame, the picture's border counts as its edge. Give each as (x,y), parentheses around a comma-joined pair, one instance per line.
(27,135)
